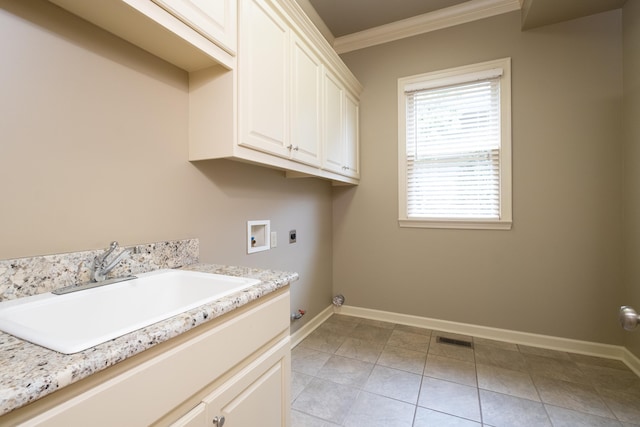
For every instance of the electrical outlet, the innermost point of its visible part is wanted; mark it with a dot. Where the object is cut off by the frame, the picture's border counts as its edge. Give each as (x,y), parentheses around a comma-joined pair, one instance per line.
(292,236)
(274,239)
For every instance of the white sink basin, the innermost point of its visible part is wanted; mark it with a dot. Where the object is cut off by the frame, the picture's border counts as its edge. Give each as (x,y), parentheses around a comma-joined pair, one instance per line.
(76,321)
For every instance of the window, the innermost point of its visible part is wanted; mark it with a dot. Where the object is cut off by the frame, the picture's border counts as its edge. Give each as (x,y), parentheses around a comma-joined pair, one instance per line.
(454,147)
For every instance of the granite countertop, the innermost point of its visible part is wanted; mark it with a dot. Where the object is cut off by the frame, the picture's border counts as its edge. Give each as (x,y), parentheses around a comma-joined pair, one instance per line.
(29,372)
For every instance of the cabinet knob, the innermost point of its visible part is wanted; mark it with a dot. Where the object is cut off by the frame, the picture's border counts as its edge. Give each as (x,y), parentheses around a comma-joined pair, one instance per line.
(289,147)
(295,148)
(218,421)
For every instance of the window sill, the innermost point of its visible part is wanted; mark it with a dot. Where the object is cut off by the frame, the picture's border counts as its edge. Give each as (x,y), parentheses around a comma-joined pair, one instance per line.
(456,224)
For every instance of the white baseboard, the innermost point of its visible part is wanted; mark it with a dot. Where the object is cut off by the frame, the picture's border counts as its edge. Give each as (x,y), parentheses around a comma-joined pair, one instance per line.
(525,338)
(310,326)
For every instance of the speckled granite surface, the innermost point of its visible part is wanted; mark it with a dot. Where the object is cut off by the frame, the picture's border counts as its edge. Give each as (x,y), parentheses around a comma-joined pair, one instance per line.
(29,372)
(22,277)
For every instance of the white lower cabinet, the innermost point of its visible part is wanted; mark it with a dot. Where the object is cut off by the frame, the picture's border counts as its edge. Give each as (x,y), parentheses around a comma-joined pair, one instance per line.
(238,367)
(256,396)
(196,417)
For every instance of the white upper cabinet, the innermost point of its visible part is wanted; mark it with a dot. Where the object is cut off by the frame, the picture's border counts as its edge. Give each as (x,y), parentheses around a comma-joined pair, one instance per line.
(263,64)
(333,109)
(351,136)
(214,19)
(306,105)
(265,87)
(280,87)
(341,129)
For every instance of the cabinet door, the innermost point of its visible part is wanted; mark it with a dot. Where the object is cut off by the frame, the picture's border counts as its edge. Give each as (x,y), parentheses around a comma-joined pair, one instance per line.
(333,135)
(306,77)
(264,79)
(351,142)
(214,19)
(256,396)
(197,417)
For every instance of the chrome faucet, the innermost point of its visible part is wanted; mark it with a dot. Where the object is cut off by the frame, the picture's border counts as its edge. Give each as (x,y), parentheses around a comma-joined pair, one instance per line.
(101,267)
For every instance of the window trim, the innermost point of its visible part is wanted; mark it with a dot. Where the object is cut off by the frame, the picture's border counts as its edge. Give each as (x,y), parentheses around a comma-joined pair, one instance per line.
(449,76)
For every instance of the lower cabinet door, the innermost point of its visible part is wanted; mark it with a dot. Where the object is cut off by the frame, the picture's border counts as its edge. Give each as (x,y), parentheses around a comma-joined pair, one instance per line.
(197,417)
(256,396)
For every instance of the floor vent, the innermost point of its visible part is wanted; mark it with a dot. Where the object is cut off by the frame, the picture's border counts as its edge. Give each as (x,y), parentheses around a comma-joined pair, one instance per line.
(461,343)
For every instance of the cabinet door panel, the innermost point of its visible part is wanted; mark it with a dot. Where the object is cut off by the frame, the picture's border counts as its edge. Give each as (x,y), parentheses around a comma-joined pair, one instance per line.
(197,417)
(258,395)
(264,79)
(306,104)
(333,124)
(352,163)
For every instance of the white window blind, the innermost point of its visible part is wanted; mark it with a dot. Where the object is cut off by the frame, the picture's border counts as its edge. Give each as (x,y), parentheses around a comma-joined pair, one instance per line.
(453,141)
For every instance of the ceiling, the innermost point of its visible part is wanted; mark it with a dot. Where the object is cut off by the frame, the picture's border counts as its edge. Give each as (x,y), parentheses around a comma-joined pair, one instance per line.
(350,16)
(342,21)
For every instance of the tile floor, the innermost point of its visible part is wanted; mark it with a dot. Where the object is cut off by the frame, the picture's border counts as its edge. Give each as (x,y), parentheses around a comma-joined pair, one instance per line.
(358,372)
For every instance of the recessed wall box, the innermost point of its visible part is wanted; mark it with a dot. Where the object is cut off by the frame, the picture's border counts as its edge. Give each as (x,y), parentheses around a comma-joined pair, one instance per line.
(258,236)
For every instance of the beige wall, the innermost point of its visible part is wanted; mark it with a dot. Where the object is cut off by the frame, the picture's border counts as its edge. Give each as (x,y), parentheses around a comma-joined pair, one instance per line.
(631,54)
(558,271)
(94,148)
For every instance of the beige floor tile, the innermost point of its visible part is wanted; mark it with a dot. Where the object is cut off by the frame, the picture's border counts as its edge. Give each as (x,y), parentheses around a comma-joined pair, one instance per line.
(337,328)
(298,382)
(428,418)
(451,398)
(346,371)
(403,359)
(500,410)
(554,354)
(378,323)
(413,329)
(371,410)
(562,417)
(506,381)
(355,348)
(409,340)
(342,318)
(500,357)
(446,368)
(625,406)
(582,359)
(565,370)
(371,333)
(579,397)
(500,344)
(323,340)
(394,383)
(300,419)
(326,400)
(307,360)
(612,379)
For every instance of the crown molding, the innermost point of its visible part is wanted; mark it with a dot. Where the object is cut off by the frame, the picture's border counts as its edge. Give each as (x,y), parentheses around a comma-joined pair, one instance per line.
(455,15)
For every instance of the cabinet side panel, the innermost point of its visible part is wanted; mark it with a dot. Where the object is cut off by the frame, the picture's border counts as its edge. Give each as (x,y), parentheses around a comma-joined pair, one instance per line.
(212,117)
